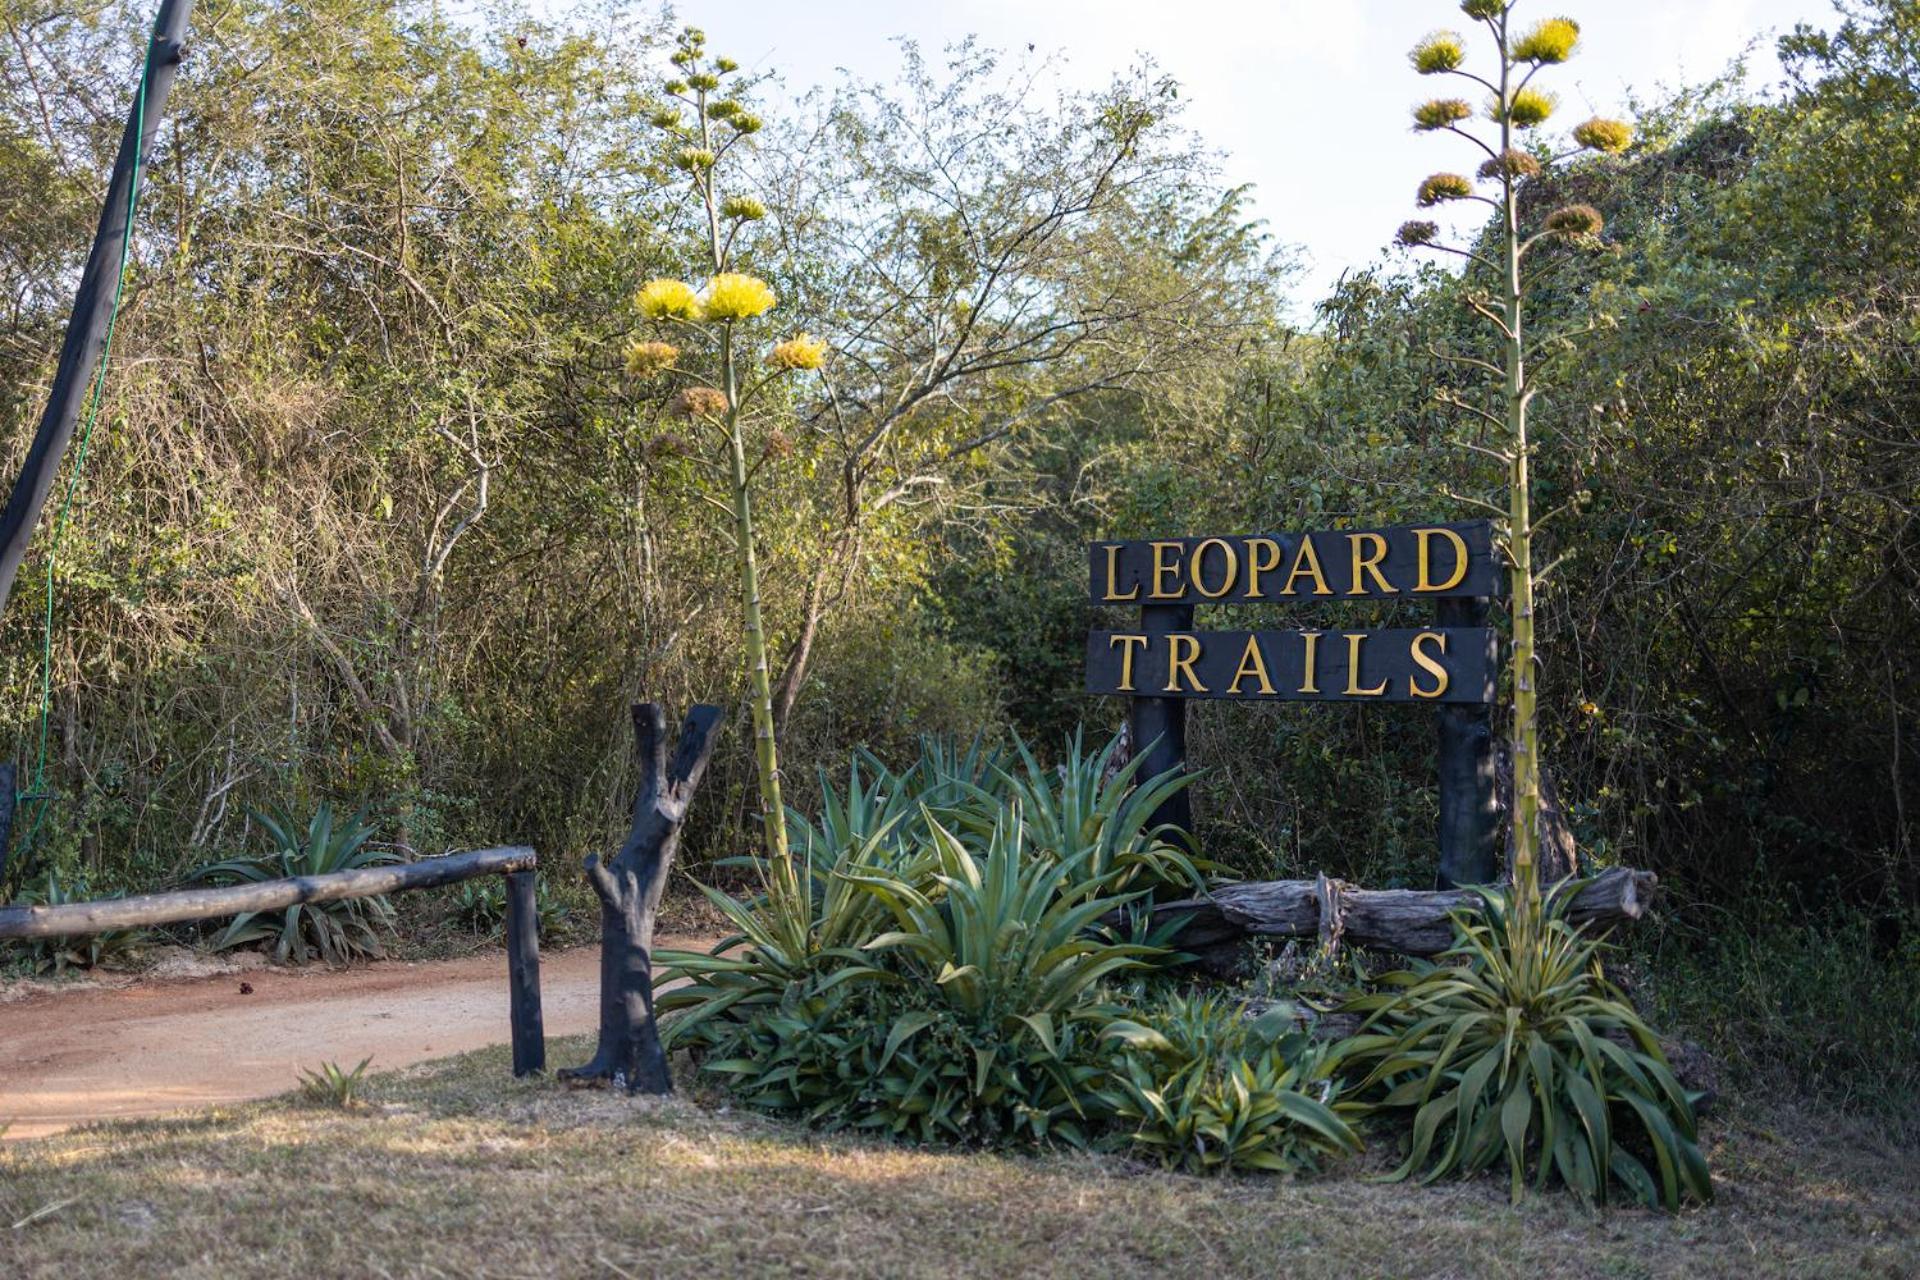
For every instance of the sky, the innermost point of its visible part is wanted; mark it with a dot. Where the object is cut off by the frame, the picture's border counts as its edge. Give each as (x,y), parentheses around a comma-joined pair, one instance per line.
(1291,91)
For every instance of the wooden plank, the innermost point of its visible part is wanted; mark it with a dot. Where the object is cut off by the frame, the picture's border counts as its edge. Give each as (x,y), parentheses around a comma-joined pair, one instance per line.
(1434,665)
(528,1027)
(1425,562)
(77,918)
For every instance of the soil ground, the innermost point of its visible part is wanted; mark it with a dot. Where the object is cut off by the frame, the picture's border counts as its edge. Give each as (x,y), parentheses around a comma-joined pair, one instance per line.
(70,1054)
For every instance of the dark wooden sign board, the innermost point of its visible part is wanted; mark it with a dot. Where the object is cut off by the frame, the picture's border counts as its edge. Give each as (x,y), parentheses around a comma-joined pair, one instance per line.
(1453,664)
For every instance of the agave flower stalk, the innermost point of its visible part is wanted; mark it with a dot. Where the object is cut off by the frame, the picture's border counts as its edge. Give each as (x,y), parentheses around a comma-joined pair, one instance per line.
(1515,108)
(730,302)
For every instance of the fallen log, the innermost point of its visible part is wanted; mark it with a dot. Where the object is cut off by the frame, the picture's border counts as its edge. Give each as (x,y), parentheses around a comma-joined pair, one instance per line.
(77,918)
(1409,921)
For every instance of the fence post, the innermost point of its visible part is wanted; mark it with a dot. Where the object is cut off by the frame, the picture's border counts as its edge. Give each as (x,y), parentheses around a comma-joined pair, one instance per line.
(1159,725)
(523,975)
(1469,813)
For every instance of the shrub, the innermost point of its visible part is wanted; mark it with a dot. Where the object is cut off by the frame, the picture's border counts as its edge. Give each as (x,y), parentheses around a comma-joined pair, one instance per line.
(975,1017)
(338,931)
(1522,1050)
(1208,1089)
(83,951)
(480,906)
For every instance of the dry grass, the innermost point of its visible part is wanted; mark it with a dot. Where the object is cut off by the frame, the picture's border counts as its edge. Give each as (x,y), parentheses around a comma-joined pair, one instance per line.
(455,1170)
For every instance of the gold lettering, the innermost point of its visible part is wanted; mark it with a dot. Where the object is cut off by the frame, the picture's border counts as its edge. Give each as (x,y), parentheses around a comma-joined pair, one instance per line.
(1364,564)
(1178,665)
(1311,663)
(1429,665)
(1129,645)
(1161,569)
(1257,566)
(1354,640)
(1252,663)
(1426,583)
(1113,572)
(1196,570)
(1307,561)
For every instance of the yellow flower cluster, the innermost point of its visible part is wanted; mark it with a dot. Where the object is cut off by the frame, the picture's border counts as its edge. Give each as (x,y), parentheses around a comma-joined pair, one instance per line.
(733,296)
(1610,136)
(1575,220)
(802,351)
(1440,113)
(1527,107)
(645,359)
(668,300)
(1549,42)
(1439,52)
(1443,186)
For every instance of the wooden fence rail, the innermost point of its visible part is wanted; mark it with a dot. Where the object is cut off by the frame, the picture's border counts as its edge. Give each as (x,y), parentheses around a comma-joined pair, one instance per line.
(516,863)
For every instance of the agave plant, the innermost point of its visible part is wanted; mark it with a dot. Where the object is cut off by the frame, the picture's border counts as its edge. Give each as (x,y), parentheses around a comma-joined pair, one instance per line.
(1006,932)
(1090,806)
(337,931)
(1517,1048)
(85,951)
(1207,1088)
(940,993)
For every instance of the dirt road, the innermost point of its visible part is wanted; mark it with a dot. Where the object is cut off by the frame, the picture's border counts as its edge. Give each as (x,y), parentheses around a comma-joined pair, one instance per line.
(153,1047)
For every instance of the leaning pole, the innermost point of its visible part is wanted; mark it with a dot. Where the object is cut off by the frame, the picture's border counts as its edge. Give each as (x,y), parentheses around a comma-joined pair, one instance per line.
(86,331)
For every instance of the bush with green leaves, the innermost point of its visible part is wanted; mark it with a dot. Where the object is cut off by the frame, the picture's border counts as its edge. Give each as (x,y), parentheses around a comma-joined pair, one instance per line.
(1516,1048)
(480,906)
(939,993)
(1088,804)
(1208,1089)
(336,931)
(82,951)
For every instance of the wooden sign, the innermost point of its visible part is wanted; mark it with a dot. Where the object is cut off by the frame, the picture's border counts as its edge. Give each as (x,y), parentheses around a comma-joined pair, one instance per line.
(1435,664)
(1434,562)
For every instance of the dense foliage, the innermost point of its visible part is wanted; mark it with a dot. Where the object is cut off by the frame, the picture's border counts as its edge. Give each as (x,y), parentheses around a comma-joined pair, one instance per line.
(375,514)
(956,974)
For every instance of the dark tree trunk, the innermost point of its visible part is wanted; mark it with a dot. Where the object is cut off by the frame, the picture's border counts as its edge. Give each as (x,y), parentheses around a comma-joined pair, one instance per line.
(629,887)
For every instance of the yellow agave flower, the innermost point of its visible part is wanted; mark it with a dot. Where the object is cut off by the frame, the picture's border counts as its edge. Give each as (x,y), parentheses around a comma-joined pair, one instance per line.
(801,351)
(732,296)
(668,299)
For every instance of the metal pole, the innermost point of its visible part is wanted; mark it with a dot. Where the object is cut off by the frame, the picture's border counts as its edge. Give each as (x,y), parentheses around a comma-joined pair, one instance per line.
(93,304)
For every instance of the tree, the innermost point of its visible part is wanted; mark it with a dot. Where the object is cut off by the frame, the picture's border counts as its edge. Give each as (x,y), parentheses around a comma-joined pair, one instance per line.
(1516,108)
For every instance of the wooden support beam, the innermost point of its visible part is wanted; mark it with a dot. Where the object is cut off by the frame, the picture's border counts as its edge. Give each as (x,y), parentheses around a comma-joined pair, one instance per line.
(1410,921)
(78,918)
(523,975)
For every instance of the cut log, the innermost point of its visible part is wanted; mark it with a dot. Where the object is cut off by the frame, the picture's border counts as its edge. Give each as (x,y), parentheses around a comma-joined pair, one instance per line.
(1410,921)
(629,886)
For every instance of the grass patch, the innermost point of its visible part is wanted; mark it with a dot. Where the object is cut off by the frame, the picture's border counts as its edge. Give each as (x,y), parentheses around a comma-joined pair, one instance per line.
(1798,1010)
(455,1169)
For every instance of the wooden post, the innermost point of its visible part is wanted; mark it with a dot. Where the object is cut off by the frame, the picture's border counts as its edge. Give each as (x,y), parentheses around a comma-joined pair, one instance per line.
(629,886)
(523,975)
(9,796)
(1469,811)
(1159,725)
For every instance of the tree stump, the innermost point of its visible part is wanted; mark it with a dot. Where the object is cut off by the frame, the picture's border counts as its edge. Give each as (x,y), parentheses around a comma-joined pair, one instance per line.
(629,887)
